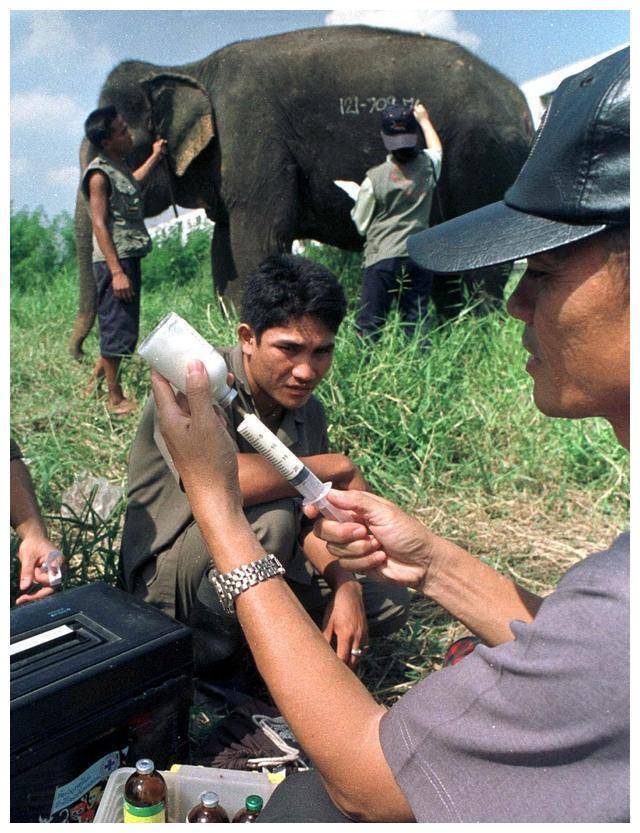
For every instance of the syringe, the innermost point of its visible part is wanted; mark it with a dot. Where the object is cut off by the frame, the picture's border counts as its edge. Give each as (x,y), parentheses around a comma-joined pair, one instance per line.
(312,489)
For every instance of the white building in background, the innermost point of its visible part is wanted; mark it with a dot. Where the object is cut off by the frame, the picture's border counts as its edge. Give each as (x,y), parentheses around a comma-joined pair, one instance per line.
(196,219)
(539,91)
(186,221)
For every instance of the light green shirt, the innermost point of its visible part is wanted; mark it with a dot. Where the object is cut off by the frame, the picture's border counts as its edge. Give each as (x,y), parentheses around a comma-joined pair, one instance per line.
(394,201)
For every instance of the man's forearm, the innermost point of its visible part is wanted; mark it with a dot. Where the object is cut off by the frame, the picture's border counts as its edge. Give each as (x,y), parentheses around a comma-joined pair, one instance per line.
(325,704)
(260,482)
(484,600)
(431,138)
(25,514)
(141,173)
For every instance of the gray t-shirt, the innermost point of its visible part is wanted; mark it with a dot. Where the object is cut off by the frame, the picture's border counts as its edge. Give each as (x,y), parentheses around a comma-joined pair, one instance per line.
(534,730)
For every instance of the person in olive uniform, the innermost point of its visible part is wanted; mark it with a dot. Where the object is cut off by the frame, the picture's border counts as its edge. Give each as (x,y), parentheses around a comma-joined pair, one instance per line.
(290,313)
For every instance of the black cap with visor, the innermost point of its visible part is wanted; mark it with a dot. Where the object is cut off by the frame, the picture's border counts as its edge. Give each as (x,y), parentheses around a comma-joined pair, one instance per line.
(575,182)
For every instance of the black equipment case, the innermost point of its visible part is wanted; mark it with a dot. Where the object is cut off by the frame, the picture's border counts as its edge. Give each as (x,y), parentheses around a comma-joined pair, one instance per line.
(99,679)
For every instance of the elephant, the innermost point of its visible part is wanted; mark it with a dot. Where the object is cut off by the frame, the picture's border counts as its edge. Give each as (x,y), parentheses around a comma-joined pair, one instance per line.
(259,131)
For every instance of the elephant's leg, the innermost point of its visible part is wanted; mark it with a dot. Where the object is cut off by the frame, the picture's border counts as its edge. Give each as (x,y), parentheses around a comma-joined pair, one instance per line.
(256,234)
(87,303)
(223,269)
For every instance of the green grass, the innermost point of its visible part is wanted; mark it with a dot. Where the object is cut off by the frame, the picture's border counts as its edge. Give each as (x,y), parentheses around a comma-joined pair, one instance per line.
(451,435)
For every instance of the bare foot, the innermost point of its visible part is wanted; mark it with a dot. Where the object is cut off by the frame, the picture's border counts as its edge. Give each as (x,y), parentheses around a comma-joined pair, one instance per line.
(124,406)
(94,383)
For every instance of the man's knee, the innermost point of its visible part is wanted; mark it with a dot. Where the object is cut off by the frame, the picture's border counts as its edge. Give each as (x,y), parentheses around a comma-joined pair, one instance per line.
(275,525)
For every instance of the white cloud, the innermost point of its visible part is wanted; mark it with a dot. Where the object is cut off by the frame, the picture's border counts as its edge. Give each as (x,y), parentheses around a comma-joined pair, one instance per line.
(66,175)
(46,111)
(442,24)
(51,35)
(52,42)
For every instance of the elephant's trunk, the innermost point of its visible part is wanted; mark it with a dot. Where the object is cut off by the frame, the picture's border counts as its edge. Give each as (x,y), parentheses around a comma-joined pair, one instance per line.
(87,302)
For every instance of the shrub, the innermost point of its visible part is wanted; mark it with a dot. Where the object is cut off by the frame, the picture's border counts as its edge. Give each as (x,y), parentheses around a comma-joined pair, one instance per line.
(39,248)
(169,262)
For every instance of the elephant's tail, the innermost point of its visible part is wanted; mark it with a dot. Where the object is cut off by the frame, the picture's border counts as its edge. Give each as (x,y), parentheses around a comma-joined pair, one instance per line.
(87,302)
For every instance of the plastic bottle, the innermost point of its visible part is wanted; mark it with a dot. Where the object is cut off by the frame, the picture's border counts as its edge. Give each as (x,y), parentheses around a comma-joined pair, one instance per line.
(172,344)
(252,806)
(209,809)
(145,794)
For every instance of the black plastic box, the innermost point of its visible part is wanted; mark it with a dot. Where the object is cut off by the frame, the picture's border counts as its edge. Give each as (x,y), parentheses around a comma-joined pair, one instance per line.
(98,680)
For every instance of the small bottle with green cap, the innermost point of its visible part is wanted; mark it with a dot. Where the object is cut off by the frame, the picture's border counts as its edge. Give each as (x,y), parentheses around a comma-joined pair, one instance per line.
(208,810)
(145,794)
(252,806)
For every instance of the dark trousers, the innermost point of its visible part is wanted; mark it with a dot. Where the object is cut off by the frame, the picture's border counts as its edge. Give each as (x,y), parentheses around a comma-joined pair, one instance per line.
(301,797)
(118,321)
(383,282)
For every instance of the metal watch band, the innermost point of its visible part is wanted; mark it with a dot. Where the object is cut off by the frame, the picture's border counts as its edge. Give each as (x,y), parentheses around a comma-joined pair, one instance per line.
(229,585)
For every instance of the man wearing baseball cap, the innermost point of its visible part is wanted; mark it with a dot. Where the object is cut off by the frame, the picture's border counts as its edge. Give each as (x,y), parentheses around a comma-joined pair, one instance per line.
(533,725)
(394,201)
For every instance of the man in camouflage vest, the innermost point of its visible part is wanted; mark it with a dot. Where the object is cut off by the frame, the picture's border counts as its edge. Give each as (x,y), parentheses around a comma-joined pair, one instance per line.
(120,240)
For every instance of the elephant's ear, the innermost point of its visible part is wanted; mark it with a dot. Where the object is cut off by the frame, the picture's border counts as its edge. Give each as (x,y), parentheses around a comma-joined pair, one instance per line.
(181,113)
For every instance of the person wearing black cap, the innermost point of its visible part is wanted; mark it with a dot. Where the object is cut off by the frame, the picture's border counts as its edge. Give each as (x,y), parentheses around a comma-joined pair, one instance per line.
(533,725)
(394,201)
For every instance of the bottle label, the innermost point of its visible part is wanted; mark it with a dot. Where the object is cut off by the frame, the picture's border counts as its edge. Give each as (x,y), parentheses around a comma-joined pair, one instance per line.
(147,815)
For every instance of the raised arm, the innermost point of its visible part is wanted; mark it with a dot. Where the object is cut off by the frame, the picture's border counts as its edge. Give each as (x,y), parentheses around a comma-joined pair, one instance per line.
(431,138)
(158,152)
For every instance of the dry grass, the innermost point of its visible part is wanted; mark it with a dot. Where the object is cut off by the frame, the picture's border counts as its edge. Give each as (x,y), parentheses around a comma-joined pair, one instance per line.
(522,538)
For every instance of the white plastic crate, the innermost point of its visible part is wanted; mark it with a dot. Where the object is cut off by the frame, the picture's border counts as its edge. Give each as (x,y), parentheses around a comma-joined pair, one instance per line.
(184,786)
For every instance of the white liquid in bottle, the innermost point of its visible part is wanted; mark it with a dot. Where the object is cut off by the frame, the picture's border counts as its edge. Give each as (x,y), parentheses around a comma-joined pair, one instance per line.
(171,345)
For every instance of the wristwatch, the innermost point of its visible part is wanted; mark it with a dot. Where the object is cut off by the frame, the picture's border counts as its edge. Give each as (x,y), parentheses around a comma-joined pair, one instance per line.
(229,585)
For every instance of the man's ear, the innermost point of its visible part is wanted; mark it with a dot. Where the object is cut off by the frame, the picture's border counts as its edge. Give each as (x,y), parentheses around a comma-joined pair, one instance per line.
(247,338)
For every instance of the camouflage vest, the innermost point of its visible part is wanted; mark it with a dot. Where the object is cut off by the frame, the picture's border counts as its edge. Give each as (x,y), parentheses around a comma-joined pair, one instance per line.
(403,195)
(126,211)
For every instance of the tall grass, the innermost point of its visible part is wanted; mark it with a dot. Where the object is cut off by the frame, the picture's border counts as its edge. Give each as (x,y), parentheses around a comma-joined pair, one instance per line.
(451,434)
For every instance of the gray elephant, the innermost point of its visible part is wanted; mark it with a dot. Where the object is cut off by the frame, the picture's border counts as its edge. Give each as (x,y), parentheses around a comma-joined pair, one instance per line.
(259,131)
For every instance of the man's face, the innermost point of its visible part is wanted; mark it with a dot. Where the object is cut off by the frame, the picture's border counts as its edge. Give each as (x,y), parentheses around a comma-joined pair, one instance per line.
(120,141)
(574,302)
(288,362)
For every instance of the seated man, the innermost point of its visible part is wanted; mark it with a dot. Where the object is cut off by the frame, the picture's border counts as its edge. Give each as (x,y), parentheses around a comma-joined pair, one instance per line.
(291,311)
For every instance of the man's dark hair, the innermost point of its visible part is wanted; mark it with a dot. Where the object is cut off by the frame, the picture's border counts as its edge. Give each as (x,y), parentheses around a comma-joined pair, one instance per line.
(285,287)
(97,126)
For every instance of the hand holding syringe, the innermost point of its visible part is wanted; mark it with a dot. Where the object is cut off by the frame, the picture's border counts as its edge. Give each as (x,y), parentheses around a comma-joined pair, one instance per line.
(312,489)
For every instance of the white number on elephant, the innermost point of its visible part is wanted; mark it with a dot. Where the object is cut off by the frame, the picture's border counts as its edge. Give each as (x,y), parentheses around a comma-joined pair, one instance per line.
(353,105)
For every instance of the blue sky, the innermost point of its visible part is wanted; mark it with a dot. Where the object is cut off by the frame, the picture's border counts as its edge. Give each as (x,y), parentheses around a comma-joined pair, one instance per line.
(59,60)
